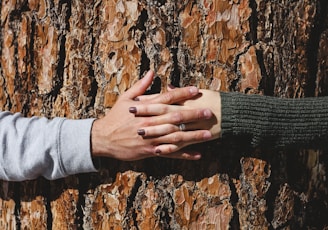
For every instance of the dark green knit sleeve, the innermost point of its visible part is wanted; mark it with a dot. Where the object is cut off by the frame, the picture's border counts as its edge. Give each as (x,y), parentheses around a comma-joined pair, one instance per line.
(275,122)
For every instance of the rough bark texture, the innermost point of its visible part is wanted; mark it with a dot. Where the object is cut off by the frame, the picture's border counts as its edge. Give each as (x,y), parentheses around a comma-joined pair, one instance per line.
(74,58)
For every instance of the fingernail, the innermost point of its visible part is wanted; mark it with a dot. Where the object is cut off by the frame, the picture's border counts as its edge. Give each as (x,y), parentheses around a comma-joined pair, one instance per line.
(207,135)
(207,113)
(193,90)
(133,110)
(197,156)
(158,151)
(136,99)
(171,86)
(141,132)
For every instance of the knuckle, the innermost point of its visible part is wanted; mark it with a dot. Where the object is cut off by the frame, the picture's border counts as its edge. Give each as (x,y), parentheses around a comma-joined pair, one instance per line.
(176,138)
(149,150)
(168,98)
(146,110)
(195,136)
(177,117)
(162,109)
(199,136)
(199,114)
(165,109)
(170,149)
(172,128)
(143,109)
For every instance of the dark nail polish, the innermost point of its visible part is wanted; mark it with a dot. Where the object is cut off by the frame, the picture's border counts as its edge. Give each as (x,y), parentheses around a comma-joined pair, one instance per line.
(158,151)
(141,132)
(133,110)
(171,86)
(136,99)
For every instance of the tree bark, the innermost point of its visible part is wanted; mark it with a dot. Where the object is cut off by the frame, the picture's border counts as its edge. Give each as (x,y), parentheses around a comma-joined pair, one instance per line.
(74,58)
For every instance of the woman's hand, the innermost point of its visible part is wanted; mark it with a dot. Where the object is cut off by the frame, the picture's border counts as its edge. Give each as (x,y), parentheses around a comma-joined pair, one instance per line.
(123,133)
(204,99)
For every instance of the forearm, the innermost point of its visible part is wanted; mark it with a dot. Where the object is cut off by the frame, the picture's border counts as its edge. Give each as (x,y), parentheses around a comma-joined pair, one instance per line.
(275,122)
(32,147)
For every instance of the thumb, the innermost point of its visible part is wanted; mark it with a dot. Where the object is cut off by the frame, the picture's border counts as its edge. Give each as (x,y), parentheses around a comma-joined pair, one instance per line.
(141,86)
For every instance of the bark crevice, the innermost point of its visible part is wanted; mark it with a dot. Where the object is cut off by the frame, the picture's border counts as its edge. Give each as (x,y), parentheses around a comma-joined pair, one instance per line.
(312,47)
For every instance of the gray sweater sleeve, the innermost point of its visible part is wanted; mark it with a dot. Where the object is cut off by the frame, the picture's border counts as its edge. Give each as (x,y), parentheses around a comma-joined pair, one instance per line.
(33,147)
(275,122)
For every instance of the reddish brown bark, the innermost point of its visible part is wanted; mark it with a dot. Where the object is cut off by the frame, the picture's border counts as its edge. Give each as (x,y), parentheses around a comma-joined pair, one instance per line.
(74,58)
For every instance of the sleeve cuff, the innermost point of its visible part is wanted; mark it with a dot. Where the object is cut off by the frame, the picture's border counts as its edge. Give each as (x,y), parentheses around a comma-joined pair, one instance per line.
(227,114)
(75,146)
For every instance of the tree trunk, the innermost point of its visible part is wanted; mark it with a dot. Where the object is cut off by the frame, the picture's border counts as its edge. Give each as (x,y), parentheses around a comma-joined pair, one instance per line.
(74,58)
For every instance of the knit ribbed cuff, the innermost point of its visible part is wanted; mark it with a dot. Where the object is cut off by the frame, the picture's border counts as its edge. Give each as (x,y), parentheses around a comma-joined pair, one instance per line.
(275,122)
(227,114)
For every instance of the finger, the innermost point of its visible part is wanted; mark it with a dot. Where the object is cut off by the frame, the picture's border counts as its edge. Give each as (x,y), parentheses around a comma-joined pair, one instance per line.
(140,87)
(146,97)
(179,117)
(176,95)
(184,155)
(177,140)
(173,95)
(153,109)
(158,130)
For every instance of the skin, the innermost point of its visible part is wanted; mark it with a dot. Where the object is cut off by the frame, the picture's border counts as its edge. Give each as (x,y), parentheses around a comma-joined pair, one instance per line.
(204,99)
(117,134)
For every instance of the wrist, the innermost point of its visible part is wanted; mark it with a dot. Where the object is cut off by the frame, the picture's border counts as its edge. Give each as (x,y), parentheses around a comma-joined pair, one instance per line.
(217,110)
(95,145)
(212,100)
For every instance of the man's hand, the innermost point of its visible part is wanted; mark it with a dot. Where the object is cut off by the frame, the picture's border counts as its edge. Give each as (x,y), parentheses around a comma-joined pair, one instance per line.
(122,134)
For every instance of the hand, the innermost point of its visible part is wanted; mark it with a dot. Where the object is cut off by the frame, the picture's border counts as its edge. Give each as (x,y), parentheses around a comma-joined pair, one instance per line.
(205,99)
(116,135)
